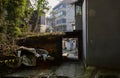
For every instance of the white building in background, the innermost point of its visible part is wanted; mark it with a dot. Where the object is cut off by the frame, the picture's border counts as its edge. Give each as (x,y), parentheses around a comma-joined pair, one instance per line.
(64,16)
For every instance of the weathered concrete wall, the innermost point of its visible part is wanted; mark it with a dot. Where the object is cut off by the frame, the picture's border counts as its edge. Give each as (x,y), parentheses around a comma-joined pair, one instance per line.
(103,33)
(51,43)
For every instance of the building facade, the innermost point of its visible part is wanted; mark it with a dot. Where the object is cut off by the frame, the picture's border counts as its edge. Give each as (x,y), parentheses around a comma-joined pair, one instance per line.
(64,16)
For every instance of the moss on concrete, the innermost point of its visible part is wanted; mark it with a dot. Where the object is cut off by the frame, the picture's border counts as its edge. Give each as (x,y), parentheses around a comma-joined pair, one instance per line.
(88,72)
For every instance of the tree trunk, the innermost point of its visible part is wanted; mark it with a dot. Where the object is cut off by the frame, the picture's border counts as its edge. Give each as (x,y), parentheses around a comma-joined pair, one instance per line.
(40,24)
(35,25)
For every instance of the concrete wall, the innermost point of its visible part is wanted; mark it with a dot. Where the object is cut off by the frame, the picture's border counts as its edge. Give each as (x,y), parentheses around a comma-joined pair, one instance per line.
(52,43)
(103,33)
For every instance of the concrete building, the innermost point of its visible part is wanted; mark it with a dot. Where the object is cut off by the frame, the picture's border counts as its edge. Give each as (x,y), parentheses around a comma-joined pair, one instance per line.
(101,32)
(42,25)
(49,23)
(64,16)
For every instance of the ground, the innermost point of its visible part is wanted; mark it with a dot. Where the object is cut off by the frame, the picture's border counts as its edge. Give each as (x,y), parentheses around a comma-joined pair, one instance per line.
(69,69)
(66,69)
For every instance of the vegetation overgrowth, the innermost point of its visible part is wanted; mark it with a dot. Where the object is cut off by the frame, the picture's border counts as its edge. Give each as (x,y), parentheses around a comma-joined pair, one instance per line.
(15,17)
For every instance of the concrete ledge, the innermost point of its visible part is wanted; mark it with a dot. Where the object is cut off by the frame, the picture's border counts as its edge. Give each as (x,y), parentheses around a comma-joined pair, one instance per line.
(102,73)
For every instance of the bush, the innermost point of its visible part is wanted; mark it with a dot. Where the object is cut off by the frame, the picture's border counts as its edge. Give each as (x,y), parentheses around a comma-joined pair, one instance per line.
(3,28)
(17,32)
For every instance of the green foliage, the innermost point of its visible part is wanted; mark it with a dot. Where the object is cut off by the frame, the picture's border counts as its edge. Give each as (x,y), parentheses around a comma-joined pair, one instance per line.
(3,28)
(17,31)
(41,6)
(2,38)
(15,10)
(28,13)
(12,13)
(14,31)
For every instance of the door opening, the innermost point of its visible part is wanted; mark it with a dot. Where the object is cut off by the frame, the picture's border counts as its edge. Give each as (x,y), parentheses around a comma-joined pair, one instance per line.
(70,48)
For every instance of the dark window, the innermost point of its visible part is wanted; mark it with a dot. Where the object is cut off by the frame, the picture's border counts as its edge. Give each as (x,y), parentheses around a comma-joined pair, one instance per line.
(64,13)
(63,20)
